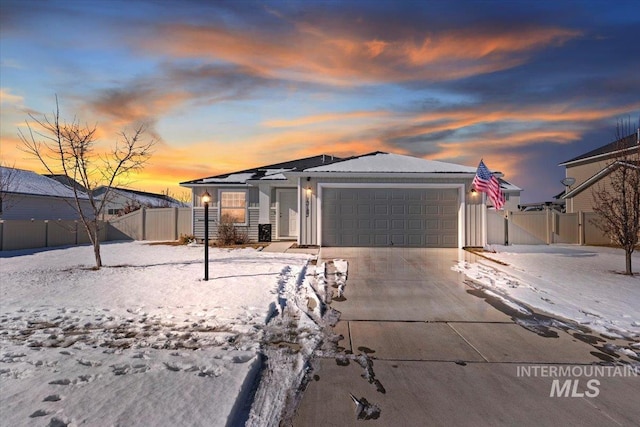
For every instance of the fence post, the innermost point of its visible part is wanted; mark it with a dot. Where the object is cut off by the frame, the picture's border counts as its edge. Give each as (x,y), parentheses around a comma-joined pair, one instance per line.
(143,221)
(581,228)
(549,230)
(175,223)
(507,215)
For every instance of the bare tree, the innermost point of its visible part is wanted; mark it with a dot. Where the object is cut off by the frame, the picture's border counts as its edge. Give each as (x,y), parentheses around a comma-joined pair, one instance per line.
(617,200)
(8,180)
(184,197)
(70,148)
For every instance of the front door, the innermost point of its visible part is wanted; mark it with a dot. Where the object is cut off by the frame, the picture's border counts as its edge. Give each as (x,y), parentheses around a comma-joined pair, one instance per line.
(287,213)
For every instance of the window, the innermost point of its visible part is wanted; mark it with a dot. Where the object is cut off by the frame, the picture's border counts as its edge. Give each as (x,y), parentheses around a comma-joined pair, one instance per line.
(234,204)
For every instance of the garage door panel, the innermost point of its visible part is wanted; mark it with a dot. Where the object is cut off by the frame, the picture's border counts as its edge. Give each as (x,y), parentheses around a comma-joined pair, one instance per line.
(449,225)
(450,195)
(415,209)
(398,224)
(346,208)
(449,210)
(364,224)
(415,240)
(432,210)
(432,224)
(347,224)
(399,239)
(381,240)
(381,209)
(432,240)
(390,216)
(381,194)
(363,209)
(449,241)
(381,224)
(397,209)
(415,224)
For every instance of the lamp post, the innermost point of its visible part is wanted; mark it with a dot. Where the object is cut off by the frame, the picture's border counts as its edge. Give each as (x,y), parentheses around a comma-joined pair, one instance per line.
(206,198)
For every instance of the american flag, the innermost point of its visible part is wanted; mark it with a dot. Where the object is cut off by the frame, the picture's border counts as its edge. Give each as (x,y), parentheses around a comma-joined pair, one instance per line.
(485,182)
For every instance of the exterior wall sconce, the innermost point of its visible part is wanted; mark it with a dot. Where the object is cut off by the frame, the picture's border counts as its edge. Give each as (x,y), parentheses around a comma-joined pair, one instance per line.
(206,199)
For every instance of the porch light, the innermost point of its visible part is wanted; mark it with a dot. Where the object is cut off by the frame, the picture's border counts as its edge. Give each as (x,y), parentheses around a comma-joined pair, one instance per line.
(206,199)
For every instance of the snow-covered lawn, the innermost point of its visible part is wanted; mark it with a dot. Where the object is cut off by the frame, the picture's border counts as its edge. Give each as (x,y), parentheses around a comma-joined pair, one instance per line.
(145,341)
(579,283)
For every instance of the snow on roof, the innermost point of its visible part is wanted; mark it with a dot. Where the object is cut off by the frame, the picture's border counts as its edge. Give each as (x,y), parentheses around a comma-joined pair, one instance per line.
(387,162)
(142,197)
(234,178)
(28,182)
(268,172)
(507,186)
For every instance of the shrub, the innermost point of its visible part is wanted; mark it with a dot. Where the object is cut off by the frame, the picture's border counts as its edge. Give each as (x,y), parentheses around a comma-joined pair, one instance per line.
(229,234)
(185,239)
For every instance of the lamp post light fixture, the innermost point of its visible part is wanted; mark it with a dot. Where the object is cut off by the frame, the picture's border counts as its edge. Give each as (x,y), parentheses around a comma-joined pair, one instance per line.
(206,198)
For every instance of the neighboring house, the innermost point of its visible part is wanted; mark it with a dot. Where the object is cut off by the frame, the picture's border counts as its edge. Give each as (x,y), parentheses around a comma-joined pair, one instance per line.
(121,199)
(591,170)
(377,199)
(28,195)
(64,179)
(511,195)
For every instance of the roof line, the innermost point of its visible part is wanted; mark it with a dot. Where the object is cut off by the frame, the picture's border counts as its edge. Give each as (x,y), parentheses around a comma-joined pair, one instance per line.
(596,177)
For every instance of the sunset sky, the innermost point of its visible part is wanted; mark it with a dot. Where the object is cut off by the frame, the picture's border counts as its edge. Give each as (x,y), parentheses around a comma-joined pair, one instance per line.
(225,86)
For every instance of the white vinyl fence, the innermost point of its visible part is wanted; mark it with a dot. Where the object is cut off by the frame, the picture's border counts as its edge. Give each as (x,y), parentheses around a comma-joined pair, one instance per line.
(543,228)
(28,234)
(143,224)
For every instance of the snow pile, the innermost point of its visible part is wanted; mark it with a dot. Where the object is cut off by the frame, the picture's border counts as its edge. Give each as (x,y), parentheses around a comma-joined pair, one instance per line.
(579,283)
(301,324)
(145,341)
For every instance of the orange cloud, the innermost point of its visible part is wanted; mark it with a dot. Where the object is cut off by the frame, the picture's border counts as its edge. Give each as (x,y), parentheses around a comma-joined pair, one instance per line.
(473,44)
(308,53)
(6,97)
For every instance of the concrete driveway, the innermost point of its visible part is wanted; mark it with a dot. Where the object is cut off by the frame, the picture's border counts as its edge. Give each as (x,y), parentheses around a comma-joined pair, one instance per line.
(443,356)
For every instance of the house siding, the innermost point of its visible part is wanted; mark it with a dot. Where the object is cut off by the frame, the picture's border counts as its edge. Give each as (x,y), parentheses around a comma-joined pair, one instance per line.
(584,201)
(583,170)
(198,223)
(18,206)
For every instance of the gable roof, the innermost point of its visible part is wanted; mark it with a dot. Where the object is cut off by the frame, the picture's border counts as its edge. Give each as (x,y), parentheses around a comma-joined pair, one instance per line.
(30,183)
(142,197)
(623,144)
(507,186)
(598,176)
(268,172)
(381,162)
(66,180)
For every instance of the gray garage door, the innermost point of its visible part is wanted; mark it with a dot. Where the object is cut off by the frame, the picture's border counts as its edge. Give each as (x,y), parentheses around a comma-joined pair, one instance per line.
(390,217)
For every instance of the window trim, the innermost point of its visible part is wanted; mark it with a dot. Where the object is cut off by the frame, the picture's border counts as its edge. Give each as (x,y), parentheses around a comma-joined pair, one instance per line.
(246,203)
